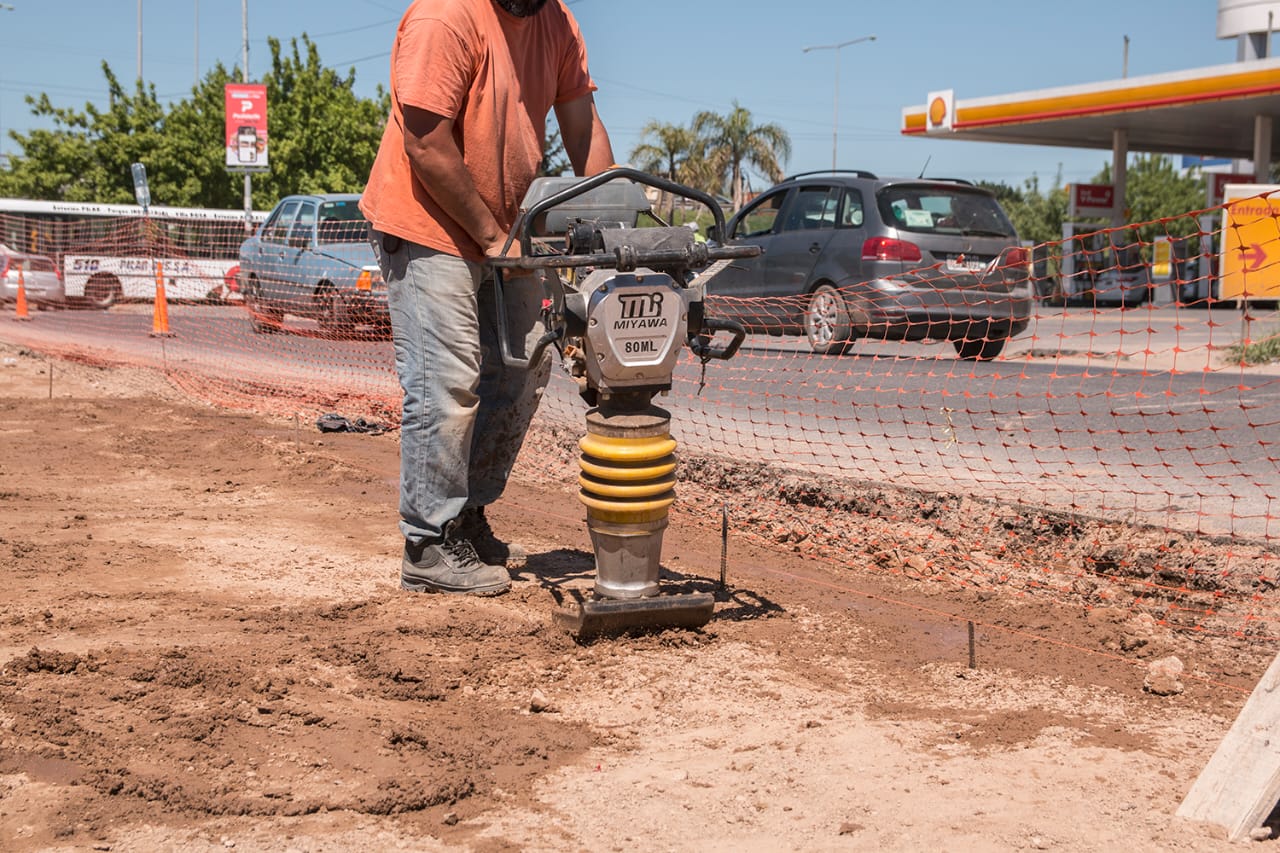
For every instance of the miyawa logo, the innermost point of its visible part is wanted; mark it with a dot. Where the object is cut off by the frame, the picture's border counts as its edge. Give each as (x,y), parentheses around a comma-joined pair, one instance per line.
(640,311)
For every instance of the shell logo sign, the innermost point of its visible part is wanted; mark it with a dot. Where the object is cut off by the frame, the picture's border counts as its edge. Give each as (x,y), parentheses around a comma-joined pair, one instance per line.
(940,112)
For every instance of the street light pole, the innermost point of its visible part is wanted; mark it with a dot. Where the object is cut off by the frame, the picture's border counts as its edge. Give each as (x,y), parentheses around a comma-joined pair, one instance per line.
(835,128)
(139,40)
(4,7)
(244,78)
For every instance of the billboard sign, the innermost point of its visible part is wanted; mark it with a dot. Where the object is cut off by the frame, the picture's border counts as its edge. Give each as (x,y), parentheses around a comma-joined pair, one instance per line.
(1092,200)
(1218,183)
(1249,258)
(245,136)
(1192,162)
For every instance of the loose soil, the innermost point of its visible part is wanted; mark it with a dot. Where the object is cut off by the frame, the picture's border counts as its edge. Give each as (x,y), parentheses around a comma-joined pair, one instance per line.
(203,646)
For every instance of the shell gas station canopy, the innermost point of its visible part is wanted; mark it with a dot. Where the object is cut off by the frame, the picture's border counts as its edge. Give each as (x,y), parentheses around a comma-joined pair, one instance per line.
(1220,111)
(1224,111)
(1206,111)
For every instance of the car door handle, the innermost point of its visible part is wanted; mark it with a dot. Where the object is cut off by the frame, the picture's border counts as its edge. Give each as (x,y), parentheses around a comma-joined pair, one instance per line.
(814,248)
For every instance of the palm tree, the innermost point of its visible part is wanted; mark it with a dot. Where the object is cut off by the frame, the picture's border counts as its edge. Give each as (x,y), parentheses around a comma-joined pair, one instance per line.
(663,147)
(732,141)
(666,154)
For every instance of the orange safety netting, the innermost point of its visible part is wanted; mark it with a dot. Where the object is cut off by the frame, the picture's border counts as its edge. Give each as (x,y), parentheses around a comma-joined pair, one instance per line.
(1131,397)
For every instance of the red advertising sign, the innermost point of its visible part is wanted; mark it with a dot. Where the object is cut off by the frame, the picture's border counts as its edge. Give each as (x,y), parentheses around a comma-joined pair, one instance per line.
(1092,200)
(246,128)
(1218,183)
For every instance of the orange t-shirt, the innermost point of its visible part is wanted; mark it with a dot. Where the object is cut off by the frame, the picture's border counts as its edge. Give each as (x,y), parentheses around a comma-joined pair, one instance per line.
(497,76)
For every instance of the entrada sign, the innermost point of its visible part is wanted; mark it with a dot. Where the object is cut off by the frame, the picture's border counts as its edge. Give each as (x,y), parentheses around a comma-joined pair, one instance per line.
(1250,259)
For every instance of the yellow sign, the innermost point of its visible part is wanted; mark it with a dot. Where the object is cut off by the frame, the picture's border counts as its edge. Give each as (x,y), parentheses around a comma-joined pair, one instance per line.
(1162,259)
(1250,259)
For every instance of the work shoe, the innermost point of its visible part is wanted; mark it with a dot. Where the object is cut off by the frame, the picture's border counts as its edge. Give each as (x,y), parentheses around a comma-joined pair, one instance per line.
(450,565)
(474,527)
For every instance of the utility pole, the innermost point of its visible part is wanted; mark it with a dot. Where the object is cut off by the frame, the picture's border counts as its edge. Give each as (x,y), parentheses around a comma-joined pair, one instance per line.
(196,53)
(835,129)
(139,40)
(4,160)
(244,78)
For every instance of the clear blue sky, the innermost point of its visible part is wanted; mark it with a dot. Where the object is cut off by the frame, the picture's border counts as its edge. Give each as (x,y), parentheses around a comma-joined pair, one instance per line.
(666,60)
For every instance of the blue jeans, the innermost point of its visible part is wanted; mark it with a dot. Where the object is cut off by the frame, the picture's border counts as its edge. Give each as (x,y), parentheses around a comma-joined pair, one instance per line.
(465,411)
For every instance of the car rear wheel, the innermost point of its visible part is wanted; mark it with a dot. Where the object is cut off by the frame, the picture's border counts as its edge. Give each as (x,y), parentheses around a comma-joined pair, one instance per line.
(979,349)
(826,322)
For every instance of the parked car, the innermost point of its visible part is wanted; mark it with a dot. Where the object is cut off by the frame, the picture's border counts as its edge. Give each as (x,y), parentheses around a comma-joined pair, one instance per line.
(1118,275)
(41,278)
(849,255)
(312,258)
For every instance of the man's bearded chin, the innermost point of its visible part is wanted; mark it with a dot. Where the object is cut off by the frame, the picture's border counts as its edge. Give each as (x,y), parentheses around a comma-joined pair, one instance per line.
(521,8)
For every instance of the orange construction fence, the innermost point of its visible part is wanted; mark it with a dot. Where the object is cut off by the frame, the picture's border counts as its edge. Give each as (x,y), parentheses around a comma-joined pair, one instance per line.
(1144,390)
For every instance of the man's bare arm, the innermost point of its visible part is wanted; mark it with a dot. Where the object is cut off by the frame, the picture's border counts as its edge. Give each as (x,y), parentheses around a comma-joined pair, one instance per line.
(585,139)
(438,164)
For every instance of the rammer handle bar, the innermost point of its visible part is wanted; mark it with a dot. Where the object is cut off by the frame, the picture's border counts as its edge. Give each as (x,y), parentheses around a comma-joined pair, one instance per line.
(625,259)
(524,224)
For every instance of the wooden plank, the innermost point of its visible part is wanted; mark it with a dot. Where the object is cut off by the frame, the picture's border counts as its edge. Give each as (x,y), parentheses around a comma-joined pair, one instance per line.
(1240,785)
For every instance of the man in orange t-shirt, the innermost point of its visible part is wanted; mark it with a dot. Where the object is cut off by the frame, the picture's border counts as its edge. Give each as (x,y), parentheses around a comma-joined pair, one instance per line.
(472,83)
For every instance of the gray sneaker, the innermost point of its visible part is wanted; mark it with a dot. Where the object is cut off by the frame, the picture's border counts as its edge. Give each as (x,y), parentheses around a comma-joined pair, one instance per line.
(451,566)
(474,527)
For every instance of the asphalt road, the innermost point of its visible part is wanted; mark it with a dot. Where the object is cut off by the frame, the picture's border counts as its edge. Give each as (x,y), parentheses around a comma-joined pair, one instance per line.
(1129,413)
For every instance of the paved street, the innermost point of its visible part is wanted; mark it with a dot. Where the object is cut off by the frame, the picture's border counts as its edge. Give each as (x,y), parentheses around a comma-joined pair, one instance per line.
(1134,412)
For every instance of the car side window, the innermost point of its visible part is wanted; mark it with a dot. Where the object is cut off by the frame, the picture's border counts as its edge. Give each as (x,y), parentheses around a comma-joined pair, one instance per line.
(268,228)
(304,225)
(759,219)
(276,229)
(851,210)
(812,208)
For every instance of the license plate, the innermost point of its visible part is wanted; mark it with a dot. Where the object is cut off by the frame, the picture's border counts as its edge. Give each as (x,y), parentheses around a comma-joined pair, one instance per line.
(963,264)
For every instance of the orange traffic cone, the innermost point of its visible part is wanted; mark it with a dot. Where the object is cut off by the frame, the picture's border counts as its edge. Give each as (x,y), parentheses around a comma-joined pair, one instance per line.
(22,312)
(160,317)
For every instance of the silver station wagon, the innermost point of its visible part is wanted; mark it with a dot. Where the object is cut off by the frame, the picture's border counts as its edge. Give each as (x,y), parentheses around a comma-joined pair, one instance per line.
(848,255)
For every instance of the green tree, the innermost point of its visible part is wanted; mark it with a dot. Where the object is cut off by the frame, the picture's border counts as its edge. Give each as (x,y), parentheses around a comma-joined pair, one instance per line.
(86,155)
(1157,195)
(188,168)
(1036,215)
(322,138)
(733,141)
(664,150)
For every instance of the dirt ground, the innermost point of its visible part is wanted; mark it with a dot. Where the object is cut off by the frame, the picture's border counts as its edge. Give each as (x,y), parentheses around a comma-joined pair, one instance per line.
(203,646)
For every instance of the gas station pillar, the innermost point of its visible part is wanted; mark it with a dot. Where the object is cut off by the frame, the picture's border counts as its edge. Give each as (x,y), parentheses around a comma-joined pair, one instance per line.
(1262,149)
(1119,172)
